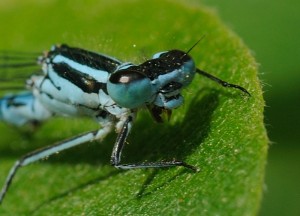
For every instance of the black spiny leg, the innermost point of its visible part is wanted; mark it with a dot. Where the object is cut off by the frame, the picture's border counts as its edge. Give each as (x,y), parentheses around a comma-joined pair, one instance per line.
(117,151)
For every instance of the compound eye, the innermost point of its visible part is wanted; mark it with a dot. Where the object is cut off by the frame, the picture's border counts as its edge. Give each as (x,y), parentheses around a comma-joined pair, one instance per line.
(125,77)
(129,89)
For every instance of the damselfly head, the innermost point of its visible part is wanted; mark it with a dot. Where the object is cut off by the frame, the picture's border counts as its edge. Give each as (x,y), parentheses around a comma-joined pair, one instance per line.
(156,82)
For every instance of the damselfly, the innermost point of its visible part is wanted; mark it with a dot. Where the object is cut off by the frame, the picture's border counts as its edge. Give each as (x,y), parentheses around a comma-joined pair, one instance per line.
(77,82)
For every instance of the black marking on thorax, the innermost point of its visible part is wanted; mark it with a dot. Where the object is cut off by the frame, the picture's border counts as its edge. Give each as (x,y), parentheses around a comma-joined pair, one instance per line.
(83,81)
(88,58)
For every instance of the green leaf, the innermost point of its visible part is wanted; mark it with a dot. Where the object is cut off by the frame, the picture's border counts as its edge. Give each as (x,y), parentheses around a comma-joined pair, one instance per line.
(218,130)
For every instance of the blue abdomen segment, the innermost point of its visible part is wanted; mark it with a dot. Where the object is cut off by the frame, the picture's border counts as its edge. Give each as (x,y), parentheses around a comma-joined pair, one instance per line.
(22,108)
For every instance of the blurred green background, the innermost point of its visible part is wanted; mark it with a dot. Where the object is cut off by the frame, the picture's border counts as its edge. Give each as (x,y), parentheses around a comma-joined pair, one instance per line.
(271,28)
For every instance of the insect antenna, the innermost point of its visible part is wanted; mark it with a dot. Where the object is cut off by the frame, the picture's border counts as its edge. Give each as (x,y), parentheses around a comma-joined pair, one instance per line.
(190,49)
(195,45)
(222,82)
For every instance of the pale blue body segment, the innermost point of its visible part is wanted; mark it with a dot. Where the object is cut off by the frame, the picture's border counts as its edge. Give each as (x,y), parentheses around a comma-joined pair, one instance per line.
(22,109)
